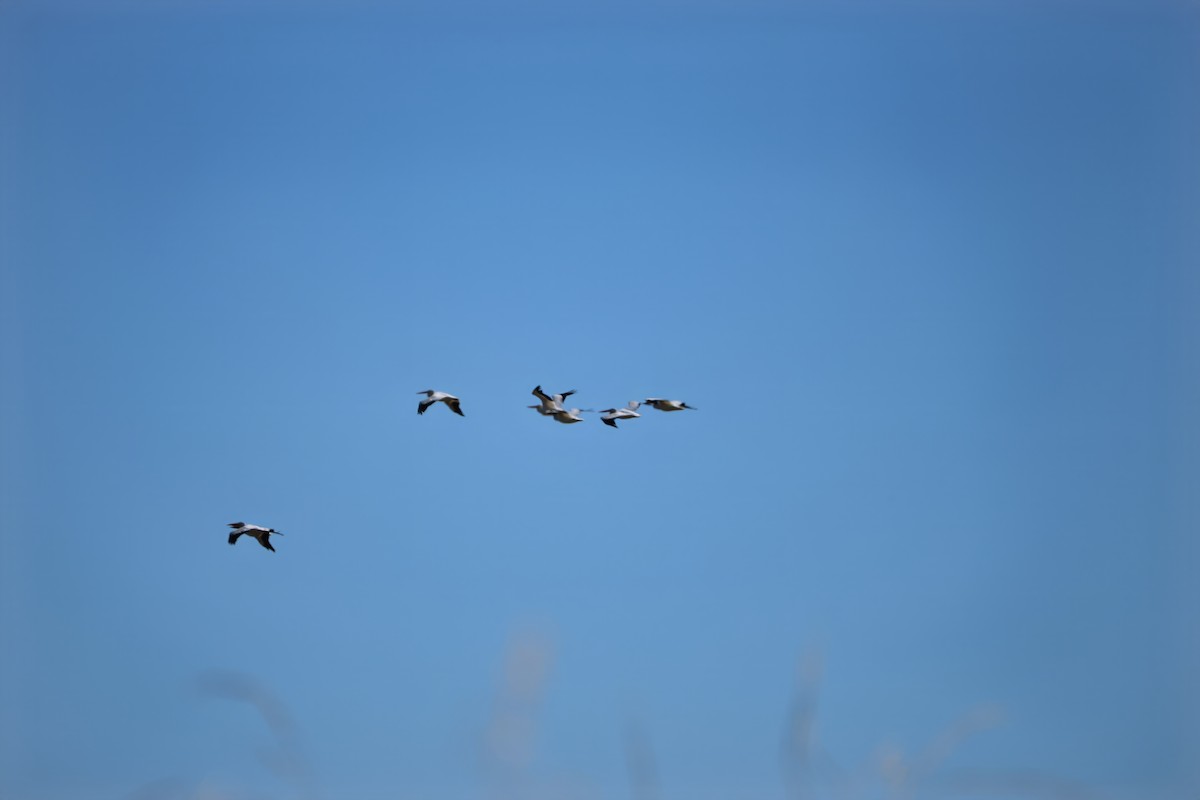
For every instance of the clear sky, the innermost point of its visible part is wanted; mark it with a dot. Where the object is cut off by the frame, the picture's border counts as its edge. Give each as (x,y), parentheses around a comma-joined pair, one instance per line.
(928,272)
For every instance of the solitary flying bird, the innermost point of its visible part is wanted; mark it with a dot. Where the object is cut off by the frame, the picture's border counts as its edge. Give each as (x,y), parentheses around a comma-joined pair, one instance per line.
(257,531)
(609,416)
(668,405)
(432,397)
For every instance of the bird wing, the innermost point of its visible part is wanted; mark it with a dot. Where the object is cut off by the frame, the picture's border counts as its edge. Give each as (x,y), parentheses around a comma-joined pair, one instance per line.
(540,395)
(424,404)
(612,423)
(455,406)
(265,541)
(233,537)
(236,524)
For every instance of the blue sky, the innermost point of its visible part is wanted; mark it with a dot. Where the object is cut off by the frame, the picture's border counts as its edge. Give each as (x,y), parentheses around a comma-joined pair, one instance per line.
(927,271)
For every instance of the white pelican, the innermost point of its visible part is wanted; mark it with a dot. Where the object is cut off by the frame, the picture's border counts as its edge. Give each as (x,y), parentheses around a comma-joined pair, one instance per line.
(567,416)
(668,405)
(257,531)
(432,397)
(551,404)
(609,416)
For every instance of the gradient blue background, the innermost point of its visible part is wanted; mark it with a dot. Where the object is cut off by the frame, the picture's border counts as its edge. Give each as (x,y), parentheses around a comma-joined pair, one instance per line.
(929,272)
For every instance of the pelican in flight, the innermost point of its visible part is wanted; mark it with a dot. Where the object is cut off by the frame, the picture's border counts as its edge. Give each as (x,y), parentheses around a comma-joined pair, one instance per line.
(609,416)
(567,416)
(668,405)
(551,404)
(432,397)
(257,531)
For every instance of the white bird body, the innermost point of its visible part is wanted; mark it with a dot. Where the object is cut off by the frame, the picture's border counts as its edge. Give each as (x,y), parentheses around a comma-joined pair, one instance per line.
(668,405)
(263,535)
(567,416)
(609,416)
(432,397)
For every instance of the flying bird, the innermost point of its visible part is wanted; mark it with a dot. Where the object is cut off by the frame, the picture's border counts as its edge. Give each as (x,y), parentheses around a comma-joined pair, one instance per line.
(432,397)
(567,416)
(609,416)
(551,404)
(668,405)
(257,531)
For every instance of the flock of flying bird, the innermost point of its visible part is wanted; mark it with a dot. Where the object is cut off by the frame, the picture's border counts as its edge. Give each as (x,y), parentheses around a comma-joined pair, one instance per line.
(549,405)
